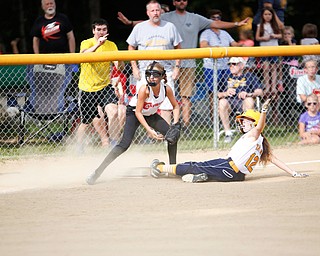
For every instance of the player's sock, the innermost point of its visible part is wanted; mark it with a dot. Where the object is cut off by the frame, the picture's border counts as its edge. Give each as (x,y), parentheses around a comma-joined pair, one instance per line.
(168,168)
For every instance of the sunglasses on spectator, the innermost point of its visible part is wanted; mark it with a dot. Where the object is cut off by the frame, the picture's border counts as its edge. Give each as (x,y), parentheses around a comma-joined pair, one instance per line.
(154,73)
(233,64)
(181,0)
(312,103)
(215,17)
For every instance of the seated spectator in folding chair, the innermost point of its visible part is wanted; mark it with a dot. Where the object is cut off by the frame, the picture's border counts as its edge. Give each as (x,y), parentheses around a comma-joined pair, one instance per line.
(237,93)
(308,83)
(96,91)
(309,122)
(47,100)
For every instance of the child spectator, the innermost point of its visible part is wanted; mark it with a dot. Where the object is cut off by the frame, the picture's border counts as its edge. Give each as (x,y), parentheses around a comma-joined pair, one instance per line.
(246,38)
(268,33)
(309,34)
(287,61)
(309,122)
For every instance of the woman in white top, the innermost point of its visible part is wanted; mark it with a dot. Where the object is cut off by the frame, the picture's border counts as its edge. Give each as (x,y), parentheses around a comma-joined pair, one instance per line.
(251,148)
(142,110)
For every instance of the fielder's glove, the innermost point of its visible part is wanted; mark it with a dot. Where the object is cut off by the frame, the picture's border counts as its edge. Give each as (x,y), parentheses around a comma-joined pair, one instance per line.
(173,134)
(299,175)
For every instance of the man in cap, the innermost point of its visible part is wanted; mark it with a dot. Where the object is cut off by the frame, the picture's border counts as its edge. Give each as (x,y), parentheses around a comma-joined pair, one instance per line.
(237,92)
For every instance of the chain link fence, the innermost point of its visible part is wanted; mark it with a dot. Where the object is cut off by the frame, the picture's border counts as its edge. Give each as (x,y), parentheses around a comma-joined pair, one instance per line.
(40,112)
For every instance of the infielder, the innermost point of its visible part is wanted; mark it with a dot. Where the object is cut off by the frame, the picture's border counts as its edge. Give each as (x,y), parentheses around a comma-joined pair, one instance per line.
(250,149)
(142,109)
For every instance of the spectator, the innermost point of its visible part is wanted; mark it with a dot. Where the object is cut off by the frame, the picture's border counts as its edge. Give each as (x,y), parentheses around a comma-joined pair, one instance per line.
(309,121)
(308,83)
(268,34)
(155,34)
(142,110)
(96,91)
(14,45)
(279,6)
(124,20)
(53,32)
(246,38)
(238,93)
(287,83)
(215,37)
(189,25)
(287,61)
(310,34)
(118,81)
(165,8)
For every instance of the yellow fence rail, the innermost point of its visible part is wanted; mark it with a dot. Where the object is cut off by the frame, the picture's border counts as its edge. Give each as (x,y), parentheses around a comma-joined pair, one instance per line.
(72,58)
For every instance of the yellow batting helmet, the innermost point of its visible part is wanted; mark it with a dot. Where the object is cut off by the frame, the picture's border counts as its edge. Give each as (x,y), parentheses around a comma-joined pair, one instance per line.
(251,114)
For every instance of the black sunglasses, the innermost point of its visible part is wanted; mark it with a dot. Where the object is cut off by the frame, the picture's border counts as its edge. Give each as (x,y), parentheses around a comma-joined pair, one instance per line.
(153,73)
(181,0)
(312,103)
(215,17)
(233,64)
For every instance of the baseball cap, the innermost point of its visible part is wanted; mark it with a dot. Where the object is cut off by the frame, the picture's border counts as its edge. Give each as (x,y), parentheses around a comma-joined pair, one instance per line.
(237,60)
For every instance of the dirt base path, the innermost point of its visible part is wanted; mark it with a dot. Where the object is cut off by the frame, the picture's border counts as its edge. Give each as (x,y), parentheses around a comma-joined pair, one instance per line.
(47,209)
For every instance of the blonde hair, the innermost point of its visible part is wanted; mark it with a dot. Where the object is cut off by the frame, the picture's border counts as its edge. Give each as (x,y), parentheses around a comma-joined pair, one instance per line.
(288,28)
(313,97)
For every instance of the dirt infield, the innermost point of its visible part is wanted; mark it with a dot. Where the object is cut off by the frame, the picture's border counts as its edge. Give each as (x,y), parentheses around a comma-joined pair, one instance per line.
(47,209)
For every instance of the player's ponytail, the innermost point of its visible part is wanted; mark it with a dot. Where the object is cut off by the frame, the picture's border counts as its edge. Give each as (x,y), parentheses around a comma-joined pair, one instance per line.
(267,152)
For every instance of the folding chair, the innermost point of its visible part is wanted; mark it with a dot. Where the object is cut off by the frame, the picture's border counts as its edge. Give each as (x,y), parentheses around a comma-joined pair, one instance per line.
(47,101)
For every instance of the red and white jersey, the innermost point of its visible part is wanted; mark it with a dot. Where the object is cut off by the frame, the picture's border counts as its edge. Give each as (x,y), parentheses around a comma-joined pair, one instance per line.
(152,103)
(246,153)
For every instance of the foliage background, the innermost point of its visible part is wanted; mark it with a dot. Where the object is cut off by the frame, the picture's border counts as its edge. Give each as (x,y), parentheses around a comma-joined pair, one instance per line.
(17,16)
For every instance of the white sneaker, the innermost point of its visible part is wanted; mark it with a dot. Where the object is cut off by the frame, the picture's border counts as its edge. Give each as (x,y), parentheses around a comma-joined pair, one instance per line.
(228,139)
(193,178)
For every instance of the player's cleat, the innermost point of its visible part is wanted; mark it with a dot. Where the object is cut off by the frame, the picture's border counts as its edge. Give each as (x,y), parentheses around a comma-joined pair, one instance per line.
(91,179)
(193,178)
(154,171)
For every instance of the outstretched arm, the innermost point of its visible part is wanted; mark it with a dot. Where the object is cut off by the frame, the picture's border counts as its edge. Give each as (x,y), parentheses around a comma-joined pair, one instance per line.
(225,25)
(277,162)
(126,21)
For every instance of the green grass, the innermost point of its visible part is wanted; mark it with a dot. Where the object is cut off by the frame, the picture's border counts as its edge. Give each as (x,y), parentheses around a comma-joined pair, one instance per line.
(201,139)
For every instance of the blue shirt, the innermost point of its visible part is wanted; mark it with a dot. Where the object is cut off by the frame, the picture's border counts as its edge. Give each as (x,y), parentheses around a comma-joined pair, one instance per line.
(247,82)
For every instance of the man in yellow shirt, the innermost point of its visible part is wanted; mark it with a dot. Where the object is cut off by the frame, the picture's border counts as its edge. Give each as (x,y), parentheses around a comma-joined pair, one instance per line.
(97,95)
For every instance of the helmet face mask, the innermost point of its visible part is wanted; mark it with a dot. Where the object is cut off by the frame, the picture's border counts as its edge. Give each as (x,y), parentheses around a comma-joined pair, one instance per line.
(153,71)
(250,115)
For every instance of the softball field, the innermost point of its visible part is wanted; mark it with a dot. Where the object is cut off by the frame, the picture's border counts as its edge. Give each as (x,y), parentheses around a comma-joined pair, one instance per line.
(46,208)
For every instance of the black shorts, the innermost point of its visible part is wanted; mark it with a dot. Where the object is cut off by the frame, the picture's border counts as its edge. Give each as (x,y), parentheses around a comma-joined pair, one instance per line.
(89,102)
